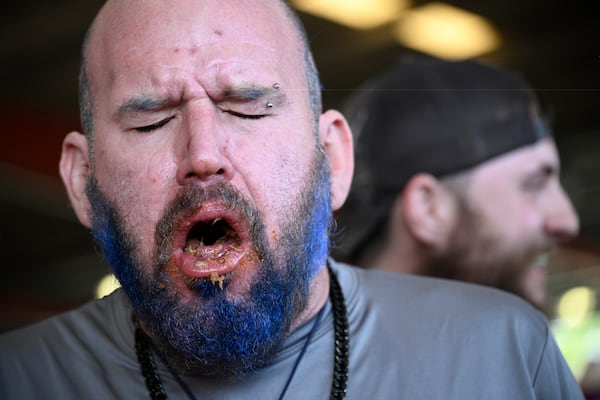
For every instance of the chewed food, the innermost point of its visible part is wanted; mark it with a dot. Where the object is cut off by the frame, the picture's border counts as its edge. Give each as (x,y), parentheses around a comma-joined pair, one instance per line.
(216,278)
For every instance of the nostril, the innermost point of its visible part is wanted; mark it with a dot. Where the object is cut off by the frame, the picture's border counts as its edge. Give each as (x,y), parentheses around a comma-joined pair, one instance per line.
(193,174)
(564,228)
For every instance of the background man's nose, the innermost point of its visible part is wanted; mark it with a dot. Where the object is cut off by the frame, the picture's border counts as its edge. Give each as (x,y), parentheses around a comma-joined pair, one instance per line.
(562,222)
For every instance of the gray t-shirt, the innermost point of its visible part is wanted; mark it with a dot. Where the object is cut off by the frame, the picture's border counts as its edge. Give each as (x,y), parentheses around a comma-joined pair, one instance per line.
(410,338)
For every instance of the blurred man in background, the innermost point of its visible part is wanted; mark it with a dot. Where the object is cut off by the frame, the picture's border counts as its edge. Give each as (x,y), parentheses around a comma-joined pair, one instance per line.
(457,176)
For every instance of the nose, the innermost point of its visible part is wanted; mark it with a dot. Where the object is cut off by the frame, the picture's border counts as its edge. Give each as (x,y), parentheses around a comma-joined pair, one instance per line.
(202,145)
(562,222)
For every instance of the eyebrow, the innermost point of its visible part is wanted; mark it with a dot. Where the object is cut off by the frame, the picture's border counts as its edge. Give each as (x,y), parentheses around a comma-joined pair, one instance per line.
(147,104)
(143,104)
(255,93)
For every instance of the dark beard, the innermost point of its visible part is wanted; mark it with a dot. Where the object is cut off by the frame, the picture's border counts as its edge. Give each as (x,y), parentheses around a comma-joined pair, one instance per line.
(211,334)
(473,256)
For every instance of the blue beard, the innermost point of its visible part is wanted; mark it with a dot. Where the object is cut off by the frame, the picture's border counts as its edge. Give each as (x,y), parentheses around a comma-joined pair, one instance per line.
(210,334)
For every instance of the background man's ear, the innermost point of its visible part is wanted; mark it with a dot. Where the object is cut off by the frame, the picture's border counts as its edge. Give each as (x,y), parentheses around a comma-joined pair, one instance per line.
(429,210)
(74,168)
(337,138)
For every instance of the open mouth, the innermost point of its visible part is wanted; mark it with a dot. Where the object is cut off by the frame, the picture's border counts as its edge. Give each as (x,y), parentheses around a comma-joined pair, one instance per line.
(211,249)
(542,260)
(210,239)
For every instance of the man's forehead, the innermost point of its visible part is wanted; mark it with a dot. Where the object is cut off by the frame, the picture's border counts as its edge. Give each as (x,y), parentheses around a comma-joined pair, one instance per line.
(542,153)
(124,26)
(252,14)
(232,42)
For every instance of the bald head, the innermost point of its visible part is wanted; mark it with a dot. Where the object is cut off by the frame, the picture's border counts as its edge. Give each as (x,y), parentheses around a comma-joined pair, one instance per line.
(118,32)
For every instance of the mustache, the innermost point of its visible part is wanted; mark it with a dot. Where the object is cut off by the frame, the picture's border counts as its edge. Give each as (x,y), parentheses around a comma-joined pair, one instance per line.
(190,199)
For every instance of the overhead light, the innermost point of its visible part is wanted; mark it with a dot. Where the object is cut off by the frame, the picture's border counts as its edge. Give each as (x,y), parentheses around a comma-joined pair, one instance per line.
(357,14)
(447,32)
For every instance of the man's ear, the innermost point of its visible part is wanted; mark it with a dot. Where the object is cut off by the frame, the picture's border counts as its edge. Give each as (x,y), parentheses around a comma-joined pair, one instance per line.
(336,137)
(74,168)
(428,209)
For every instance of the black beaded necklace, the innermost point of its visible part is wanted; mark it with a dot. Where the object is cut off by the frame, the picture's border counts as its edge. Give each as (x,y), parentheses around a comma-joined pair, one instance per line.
(341,355)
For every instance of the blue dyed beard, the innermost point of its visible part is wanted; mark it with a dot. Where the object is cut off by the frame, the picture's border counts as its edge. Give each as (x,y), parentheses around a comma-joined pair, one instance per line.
(211,334)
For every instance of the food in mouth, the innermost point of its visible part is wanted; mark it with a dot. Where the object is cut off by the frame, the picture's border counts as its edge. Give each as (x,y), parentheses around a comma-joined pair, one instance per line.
(210,233)
(211,249)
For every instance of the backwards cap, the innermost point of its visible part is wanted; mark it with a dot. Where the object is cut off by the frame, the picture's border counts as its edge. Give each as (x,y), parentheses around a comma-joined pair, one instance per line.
(432,116)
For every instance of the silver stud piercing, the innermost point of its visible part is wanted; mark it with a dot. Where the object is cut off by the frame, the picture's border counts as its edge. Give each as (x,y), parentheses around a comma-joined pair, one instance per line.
(276,86)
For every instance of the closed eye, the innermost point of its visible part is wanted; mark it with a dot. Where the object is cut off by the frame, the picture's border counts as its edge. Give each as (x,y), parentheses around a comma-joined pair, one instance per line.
(155,126)
(245,116)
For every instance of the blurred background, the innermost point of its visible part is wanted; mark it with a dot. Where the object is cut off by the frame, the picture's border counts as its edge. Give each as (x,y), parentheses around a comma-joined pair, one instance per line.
(49,261)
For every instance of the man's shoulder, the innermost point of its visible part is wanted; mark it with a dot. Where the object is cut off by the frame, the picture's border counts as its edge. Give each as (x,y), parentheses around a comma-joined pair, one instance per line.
(415,296)
(497,337)
(67,328)
(81,353)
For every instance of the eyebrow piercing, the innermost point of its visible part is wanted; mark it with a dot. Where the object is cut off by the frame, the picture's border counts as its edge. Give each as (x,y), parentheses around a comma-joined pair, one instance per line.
(276,86)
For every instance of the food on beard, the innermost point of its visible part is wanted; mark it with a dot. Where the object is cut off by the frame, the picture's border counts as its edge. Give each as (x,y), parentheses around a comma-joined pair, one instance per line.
(216,278)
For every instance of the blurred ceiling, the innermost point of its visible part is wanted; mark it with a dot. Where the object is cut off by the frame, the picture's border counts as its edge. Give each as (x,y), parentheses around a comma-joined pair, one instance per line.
(49,261)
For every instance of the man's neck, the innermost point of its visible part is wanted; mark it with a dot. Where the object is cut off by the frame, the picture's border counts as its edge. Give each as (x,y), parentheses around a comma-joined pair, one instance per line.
(318,294)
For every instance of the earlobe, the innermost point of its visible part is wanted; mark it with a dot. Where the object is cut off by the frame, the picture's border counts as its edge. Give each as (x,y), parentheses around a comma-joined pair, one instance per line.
(428,210)
(336,137)
(74,168)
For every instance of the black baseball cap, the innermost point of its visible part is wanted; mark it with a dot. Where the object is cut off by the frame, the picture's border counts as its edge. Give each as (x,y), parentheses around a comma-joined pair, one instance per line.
(433,116)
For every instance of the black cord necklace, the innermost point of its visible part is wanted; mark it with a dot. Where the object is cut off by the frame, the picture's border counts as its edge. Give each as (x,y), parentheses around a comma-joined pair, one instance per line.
(341,355)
